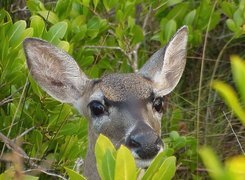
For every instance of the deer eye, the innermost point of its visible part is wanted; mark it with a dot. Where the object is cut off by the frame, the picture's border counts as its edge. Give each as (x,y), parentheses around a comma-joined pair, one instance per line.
(158,104)
(96,108)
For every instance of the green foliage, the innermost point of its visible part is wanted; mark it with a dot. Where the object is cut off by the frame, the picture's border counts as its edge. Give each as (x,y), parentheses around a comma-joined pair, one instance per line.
(234,168)
(236,16)
(103,37)
(73,175)
(120,164)
(10,173)
(228,93)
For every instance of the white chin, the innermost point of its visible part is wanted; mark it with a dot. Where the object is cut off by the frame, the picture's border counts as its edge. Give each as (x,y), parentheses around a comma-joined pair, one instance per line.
(143,163)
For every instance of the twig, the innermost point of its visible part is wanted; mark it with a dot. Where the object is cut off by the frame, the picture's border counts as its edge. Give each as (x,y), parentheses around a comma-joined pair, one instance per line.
(104,47)
(78,164)
(197,169)
(18,150)
(11,145)
(45,172)
(137,46)
(24,133)
(234,134)
(201,78)
(15,114)
(9,98)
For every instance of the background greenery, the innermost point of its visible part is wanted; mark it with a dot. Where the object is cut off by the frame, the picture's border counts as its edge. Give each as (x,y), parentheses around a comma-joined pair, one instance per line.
(108,36)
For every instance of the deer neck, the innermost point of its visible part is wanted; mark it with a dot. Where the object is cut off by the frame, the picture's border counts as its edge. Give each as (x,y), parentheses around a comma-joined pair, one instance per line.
(90,168)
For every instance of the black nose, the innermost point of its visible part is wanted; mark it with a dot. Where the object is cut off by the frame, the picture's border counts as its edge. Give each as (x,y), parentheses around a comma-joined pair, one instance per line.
(145,143)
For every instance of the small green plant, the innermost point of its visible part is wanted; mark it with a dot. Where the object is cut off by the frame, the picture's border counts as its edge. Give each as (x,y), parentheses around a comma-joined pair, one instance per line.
(234,168)
(119,164)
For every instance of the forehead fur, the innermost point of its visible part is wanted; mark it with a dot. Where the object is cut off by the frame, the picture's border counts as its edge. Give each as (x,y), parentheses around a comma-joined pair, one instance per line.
(122,87)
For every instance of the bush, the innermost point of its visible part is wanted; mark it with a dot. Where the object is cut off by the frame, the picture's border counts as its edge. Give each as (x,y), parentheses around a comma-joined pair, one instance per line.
(104,37)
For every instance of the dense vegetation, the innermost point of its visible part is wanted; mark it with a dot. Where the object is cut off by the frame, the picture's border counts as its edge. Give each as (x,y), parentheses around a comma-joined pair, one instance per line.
(107,36)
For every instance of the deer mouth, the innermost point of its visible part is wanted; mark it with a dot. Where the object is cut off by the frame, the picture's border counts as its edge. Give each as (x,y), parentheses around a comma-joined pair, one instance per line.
(143,163)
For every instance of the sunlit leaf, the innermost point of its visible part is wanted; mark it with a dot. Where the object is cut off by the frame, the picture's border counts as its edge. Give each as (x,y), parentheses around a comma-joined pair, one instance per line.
(16,32)
(230,98)
(170,29)
(56,32)
(73,175)
(38,25)
(238,72)
(125,165)
(104,147)
(190,17)
(155,165)
(166,170)
(49,16)
(210,160)
(236,166)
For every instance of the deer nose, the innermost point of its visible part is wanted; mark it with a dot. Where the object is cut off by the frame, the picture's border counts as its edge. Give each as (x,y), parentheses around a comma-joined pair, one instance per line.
(145,144)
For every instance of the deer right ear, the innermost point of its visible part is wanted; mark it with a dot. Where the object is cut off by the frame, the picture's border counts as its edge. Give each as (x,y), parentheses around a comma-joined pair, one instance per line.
(166,66)
(54,70)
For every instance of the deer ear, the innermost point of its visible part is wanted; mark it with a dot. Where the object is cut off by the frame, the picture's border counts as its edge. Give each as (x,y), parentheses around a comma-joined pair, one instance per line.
(166,66)
(54,70)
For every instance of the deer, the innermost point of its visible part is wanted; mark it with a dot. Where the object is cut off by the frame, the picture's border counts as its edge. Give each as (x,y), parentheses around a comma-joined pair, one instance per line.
(125,107)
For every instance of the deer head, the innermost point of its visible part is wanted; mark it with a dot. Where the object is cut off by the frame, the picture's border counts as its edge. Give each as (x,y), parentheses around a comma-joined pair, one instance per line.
(127,108)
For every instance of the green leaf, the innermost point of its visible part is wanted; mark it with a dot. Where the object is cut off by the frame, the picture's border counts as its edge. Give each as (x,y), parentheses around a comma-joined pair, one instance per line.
(5,17)
(213,165)
(56,32)
(8,174)
(104,147)
(16,31)
(35,5)
(93,27)
(189,18)
(73,175)
(108,166)
(38,25)
(170,29)
(63,8)
(173,2)
(138,34)
(228,8)
(86,3)
(26,33)
(69,129)
(88,60)
(155,165)
(167,169)
(238,72)
(231,25)
(125,165)
(95,2)
(230,97)
(109,4)
(64,45)
(238,17)
(49,16)
(29,177)
(236,166)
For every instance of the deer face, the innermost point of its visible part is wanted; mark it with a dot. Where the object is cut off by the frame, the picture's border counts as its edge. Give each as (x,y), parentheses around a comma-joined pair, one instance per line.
(127,108)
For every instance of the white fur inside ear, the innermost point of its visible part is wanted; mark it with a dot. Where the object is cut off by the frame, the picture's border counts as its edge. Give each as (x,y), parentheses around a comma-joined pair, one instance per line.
(173,65)
(176,45)
(54,70)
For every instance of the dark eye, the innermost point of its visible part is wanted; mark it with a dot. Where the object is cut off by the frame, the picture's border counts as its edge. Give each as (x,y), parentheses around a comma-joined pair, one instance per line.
(96,108)
(158,104)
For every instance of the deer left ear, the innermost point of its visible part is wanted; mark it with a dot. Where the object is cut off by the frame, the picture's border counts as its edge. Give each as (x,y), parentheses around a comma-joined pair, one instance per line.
(166,66)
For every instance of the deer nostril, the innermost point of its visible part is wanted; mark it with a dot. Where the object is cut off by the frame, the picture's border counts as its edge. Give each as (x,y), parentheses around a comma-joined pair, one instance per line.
(133,143)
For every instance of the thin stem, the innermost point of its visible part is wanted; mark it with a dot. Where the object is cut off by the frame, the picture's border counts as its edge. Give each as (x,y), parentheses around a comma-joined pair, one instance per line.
(200,80)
